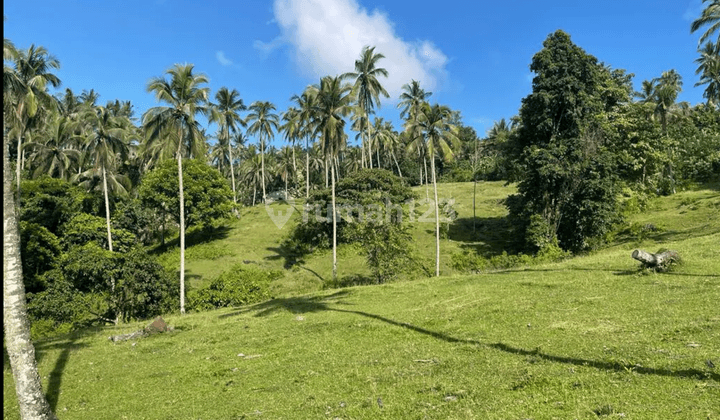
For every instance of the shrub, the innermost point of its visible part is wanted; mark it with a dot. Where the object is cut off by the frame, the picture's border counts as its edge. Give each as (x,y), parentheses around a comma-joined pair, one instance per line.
(240,285)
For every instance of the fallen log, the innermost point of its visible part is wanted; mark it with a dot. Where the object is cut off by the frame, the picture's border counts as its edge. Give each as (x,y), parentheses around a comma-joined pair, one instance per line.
(660,261)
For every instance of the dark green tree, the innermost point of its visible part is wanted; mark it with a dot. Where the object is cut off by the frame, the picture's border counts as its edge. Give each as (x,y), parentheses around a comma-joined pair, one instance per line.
(567,183)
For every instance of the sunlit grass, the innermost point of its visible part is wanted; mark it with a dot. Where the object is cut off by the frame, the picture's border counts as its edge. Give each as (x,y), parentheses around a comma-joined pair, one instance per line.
(589,337)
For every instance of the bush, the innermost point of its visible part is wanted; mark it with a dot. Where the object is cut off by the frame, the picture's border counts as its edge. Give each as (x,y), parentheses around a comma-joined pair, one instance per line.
(240,285)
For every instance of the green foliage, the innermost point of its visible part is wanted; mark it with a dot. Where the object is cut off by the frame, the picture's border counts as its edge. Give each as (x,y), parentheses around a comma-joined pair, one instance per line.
(39,249)
(387,250)
(569,175)
(240,285)
(368,191)
(85,228)
(208,197)
(132,216)
(50,202)
(143,288)
(90,283)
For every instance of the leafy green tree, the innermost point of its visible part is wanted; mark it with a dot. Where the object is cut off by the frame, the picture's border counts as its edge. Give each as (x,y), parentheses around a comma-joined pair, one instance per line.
(207,197)
(264,121)
(567,183)
(84,228)
(51,202)
(251,173)
(710,17)
(367,88)
(173,130)
(438,135)
(40,249)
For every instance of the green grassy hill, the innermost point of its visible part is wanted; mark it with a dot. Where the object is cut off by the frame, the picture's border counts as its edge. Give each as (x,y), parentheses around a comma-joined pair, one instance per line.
(589,337)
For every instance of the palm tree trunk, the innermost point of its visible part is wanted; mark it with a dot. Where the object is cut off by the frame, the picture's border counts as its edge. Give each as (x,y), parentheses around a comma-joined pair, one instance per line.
(294,165)
(254,192)
(334,270)
(369,151)
(437,222)
(107,212)
(262,166)
(377,153)
(182,235)
(396,163)
(28,389)
(427,193)
(307,167)
(326,174)
(232,173)
(362,147)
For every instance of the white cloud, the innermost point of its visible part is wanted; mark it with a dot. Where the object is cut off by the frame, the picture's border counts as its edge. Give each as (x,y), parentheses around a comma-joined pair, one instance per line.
(327,37)
(222,59)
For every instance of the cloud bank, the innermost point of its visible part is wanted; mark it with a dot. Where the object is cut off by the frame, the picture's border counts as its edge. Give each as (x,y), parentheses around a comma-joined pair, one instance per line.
(327,36)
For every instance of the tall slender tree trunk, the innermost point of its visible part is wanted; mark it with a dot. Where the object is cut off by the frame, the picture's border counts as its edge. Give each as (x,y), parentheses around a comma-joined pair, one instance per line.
(427,193)
(254,192)
(107,211)
(377,153)
(362,146)
(369,151)
(182,234)
(396,163)
(294,167)
(334,220)
(307,167)
(327,184)
(232,172)
(28,389)
(437,222)
(262,166)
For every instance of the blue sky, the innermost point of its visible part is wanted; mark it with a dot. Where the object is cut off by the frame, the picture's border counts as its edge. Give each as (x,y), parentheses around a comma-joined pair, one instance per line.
(473,56)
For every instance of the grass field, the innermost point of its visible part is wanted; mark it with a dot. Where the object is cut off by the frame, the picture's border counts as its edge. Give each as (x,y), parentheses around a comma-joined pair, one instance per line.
(589,337)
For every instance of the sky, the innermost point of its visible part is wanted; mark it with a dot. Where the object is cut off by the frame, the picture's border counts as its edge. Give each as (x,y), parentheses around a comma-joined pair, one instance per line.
(473,56)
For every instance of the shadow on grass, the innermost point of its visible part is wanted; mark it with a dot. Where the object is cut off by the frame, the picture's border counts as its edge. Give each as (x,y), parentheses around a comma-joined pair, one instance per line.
(66,347)
(488,236)
(299,305)
(194,237)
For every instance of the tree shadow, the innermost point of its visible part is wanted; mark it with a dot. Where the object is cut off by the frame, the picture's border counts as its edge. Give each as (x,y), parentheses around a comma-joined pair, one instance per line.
(299,305)
(489,237)
(290,257)
(195,236)
(52,394)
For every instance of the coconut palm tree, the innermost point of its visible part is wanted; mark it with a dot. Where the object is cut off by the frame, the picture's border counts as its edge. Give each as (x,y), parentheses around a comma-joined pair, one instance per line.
(28,92)
(306,105)
(32,403)
(667,88)
(172,129)
(710,17)
(251,173)
(106,141)
(367,88)
(440,136)
(226,114)
(286,167)
(709,71)
(292,128)
(264,121)
(411,99)
(54,155)
(333,105)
